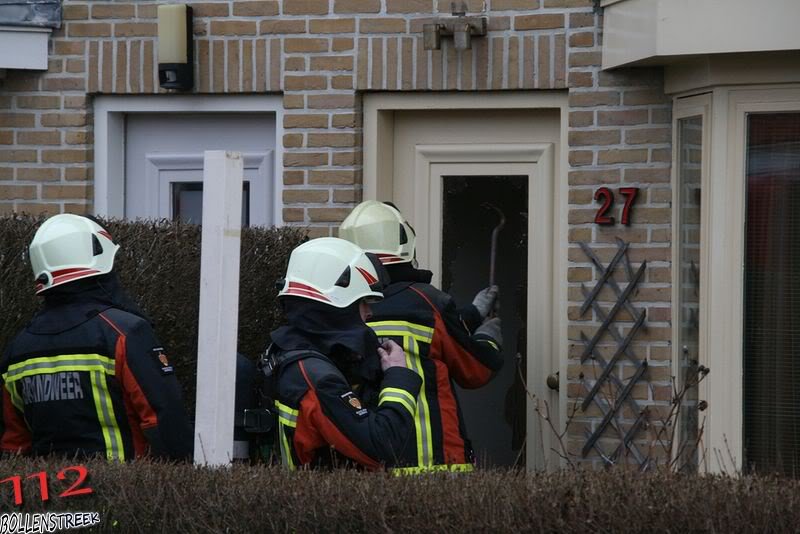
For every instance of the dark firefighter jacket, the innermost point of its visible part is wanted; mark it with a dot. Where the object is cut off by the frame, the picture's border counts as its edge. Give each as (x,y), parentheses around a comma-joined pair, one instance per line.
(322,421)
(436,338)
(86,378)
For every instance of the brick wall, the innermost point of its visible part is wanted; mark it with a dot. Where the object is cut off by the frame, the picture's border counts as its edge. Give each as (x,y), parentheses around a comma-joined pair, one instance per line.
(321,55)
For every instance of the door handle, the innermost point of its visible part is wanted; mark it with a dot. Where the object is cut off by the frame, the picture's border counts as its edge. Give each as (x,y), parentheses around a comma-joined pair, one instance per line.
(553,380)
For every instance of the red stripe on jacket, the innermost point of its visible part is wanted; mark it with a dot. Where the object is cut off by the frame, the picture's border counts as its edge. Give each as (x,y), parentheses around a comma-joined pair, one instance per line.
(320,430)
(465,368)
(138,409)
(16,437)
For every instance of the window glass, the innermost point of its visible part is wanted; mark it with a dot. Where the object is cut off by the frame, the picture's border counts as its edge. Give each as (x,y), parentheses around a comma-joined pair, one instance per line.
(772,294)
(187,202)
(690,138)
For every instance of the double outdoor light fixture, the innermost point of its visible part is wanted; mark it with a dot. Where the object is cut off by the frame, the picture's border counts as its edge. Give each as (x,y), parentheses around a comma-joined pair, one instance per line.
(175,47)
(460,27)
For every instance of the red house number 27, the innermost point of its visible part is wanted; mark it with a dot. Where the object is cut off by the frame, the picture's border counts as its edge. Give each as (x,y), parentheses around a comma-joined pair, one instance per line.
(606,196)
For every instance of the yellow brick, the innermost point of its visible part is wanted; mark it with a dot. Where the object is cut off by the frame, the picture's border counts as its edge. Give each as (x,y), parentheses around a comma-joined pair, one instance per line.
(39,102)
(66,156)
(304,83)
(305,121)
(299,45)
(53,192)
(113,11)
(210,9)
(233,27)
(332,26)
(36,174)
(357,6)
(259,8)
(382,25)
(18,155)
(51,137)
(281,26)
(26,192)
(64,119)
(89,29)
(305,7)
(332,63)
(305,196)
(328,214)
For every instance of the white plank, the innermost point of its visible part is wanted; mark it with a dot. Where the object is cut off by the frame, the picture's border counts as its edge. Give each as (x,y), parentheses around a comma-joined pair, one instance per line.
(219,307)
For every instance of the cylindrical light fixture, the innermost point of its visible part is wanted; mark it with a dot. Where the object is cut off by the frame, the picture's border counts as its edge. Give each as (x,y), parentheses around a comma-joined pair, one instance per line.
(175,47)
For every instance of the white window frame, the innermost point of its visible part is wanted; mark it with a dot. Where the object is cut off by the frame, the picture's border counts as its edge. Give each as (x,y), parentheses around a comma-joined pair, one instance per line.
(109,134)
(684,108)
(723,255)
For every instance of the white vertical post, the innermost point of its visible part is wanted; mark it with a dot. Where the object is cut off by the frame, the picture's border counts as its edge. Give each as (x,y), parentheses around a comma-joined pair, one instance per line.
(219,306)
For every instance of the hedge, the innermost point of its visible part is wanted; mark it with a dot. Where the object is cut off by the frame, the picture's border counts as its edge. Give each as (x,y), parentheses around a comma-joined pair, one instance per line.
(152,497)
(159,264)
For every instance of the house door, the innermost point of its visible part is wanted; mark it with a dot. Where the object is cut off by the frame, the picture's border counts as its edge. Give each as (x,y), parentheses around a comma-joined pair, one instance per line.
(164,163)
(455,173)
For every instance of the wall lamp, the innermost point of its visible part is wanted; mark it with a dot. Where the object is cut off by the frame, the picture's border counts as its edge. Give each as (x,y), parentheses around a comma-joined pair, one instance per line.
(175,47)
(460,27)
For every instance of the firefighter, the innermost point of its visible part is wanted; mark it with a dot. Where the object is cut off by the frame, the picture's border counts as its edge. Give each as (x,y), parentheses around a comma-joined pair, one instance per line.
(87,376)
(444,344)
(319,363)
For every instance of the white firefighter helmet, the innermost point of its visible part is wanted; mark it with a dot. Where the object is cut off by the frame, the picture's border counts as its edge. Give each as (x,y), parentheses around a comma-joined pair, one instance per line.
(331,270)
(381,229)
(69,247)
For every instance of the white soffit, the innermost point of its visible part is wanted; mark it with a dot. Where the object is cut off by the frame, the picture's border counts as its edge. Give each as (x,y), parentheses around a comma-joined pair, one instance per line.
(657,32)
(23,47)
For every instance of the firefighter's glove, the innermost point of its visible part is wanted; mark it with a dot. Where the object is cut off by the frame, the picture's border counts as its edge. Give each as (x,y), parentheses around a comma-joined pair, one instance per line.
(391,355)
(485,301)
(492,328)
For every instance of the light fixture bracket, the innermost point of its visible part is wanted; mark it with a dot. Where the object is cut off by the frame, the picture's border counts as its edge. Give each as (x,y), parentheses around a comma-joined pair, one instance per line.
(459,26)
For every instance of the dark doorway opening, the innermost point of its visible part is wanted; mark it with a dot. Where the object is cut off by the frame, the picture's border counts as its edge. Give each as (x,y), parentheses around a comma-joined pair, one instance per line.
(494,414)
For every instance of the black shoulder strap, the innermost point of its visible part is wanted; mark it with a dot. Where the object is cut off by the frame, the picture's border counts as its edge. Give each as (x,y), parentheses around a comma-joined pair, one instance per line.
(274,358)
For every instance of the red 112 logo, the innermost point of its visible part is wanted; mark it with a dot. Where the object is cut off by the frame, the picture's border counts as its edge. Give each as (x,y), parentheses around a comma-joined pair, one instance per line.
(607,197)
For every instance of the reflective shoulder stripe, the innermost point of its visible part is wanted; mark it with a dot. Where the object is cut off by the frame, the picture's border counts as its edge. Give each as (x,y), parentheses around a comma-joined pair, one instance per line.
(419,332)
(452,468)
(490,342)
(57,364)
(400,396)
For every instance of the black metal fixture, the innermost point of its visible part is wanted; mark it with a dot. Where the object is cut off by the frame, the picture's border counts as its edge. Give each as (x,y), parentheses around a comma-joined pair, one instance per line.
(175,47)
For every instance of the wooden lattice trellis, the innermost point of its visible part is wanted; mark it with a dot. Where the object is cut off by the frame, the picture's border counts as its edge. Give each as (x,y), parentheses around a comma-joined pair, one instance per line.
(610,405)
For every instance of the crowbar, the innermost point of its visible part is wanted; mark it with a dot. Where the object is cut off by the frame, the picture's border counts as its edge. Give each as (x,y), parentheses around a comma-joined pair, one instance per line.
(495,233)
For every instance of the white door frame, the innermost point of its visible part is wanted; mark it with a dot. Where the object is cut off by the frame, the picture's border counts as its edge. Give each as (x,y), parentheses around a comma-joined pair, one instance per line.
(109,135)
(379,111)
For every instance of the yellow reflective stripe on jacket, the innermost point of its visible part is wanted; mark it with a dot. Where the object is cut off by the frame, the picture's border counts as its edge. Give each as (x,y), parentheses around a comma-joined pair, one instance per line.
(399,396)
(98,367)
(57,364)
(452,468)
(115,449)
(413,334)
(419,332)
(422,421)
(287,417)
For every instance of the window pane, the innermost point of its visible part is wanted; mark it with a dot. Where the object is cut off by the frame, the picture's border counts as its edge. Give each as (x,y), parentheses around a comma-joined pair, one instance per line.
(772,295)
(690,138)
(187,202)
